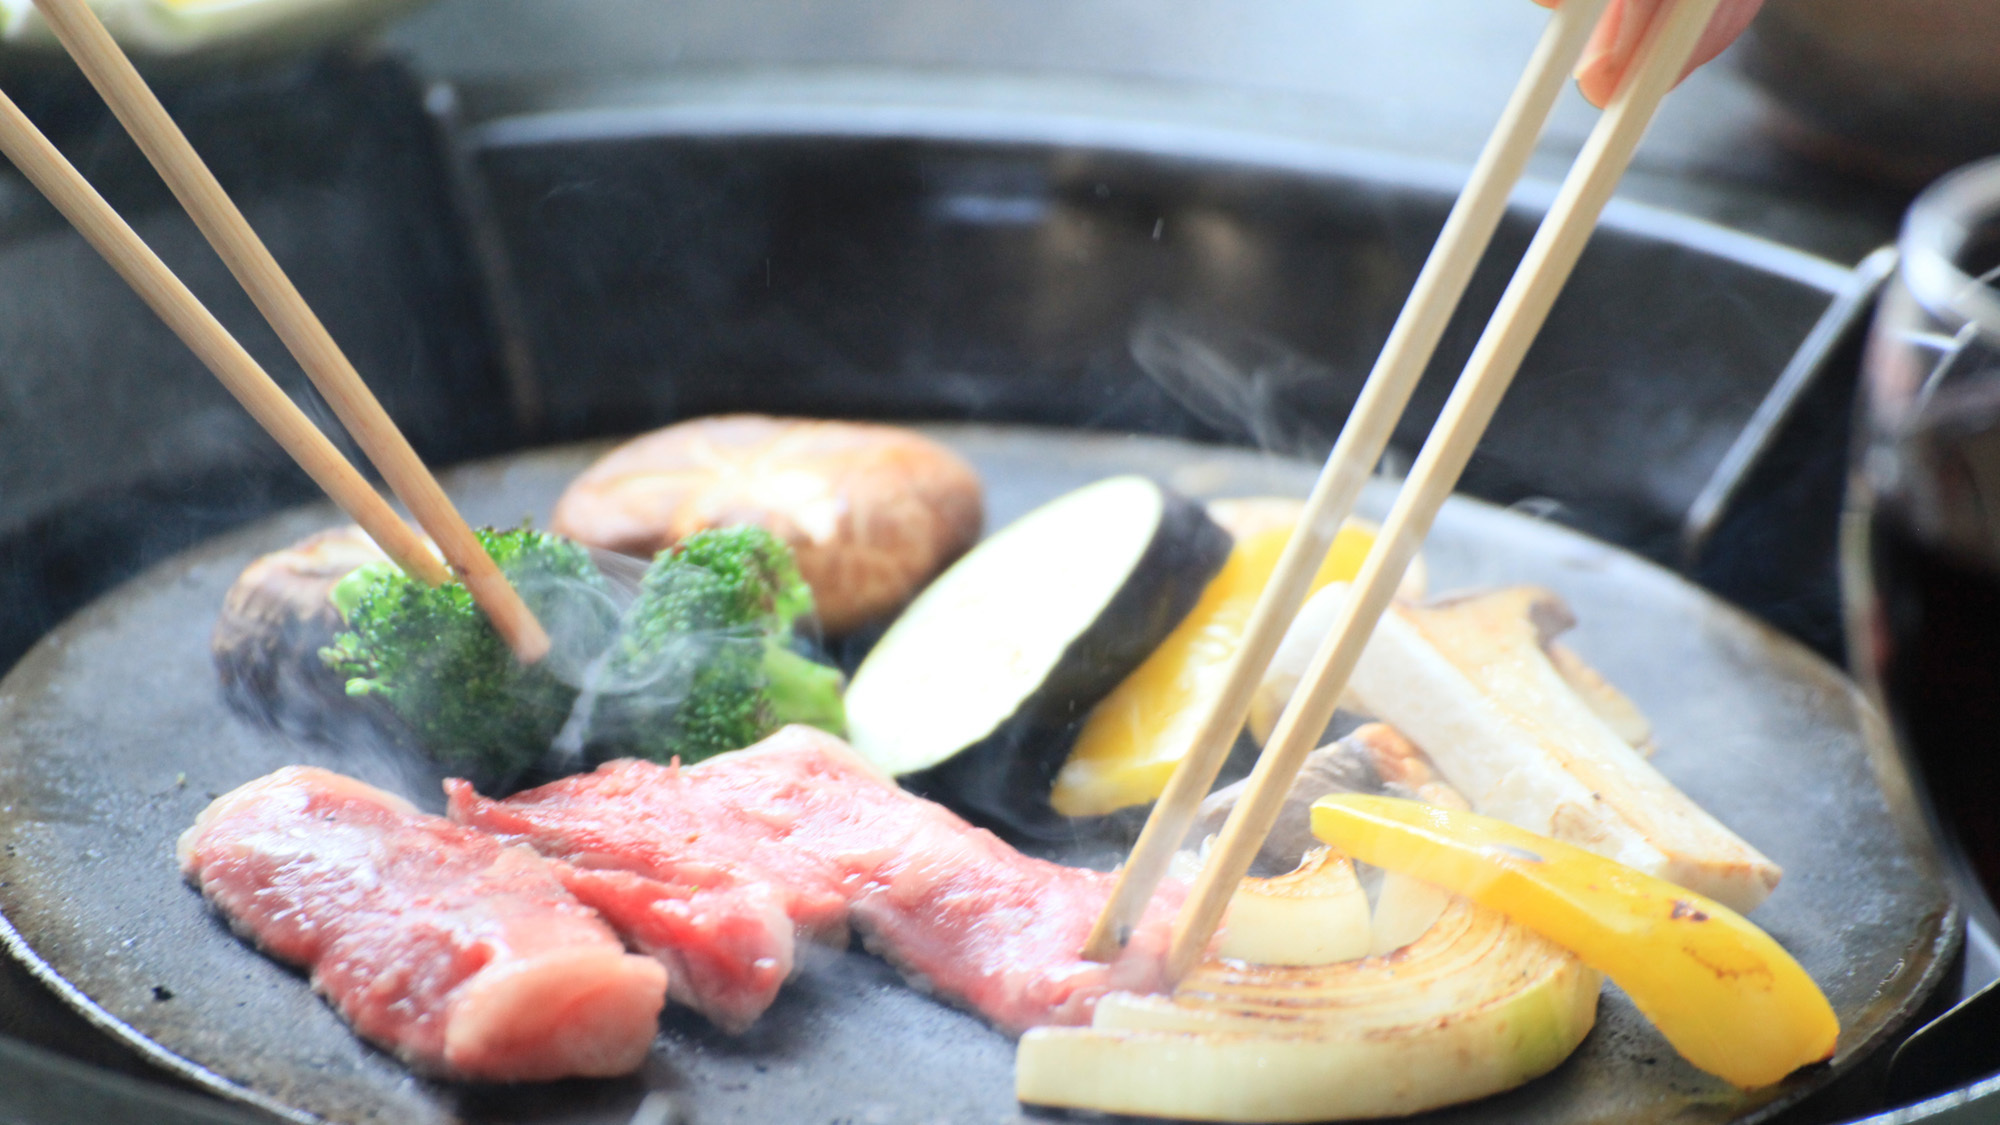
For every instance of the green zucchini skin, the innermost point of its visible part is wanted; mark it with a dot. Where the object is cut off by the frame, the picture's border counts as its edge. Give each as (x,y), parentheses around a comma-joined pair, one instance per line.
(1002,780)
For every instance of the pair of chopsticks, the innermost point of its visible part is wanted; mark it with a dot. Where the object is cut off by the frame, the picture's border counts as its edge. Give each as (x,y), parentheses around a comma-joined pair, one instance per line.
(136,106)
(1663,54)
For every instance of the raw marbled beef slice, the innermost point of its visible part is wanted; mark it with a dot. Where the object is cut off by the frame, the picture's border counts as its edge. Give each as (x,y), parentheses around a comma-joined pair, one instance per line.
(463,955)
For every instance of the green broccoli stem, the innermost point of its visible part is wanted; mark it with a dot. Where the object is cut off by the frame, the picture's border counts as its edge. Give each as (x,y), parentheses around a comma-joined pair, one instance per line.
(803,691)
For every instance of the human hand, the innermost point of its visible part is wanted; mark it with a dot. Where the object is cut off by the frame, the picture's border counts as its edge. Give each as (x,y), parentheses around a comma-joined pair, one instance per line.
(1617,37)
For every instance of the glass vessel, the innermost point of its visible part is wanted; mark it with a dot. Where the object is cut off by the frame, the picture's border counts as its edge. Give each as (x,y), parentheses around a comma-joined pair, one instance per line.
(1921,544)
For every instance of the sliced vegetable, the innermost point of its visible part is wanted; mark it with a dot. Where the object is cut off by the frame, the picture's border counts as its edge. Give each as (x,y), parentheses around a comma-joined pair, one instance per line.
(1244,516)
(1405,910)
(1470,681)
(1477,1005)
(1612,706)
(1020,637)
(1315,915)
(1602,696)
(1132,740)
(1727,996)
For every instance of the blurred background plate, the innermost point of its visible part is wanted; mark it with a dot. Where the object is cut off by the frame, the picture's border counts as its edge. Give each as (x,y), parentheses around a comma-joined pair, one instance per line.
(179,34)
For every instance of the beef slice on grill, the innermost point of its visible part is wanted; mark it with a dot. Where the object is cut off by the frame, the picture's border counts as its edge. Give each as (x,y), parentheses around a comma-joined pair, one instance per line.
(464,956)
(800,821)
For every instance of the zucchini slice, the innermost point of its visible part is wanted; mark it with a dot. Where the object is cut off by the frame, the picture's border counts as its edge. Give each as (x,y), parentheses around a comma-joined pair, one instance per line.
(975,692)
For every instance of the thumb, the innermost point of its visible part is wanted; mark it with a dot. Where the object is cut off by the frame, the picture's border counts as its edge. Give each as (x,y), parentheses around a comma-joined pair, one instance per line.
(1616,41)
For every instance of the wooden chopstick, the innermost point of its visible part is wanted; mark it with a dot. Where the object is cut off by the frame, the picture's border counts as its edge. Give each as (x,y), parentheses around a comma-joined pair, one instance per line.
(1664,53)
(65,187)
(1405,354)
(135,105)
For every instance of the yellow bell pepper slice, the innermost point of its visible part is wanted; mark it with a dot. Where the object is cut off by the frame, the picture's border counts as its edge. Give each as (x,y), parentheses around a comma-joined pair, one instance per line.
(1727,996)
(1134,737)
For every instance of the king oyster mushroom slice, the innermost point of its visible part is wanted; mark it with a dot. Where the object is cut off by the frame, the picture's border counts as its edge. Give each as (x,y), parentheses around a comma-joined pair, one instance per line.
(1472,681)
(1603,697)
(1599,694)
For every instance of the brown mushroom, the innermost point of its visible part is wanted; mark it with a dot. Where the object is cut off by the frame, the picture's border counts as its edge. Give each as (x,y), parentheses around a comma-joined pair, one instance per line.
(276,618)
(873,512)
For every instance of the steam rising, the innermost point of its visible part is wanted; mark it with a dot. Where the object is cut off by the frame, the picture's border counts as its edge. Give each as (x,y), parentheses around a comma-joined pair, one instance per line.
(585,622)
(582,619)
(598,693)
(1237,381)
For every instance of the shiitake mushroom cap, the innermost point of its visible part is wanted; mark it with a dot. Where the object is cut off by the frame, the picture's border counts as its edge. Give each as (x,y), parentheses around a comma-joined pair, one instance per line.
(873,512)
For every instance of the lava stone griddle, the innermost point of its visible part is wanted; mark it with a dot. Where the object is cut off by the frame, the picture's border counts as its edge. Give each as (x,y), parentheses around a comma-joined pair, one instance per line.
(113,735)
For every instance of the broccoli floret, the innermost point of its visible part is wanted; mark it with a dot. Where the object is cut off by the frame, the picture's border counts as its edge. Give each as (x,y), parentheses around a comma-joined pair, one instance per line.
(701,662)
(430,654)
(709,636)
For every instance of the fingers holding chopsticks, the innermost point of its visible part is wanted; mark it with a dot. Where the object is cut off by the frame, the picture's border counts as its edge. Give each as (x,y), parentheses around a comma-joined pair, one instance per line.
(1617,37)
